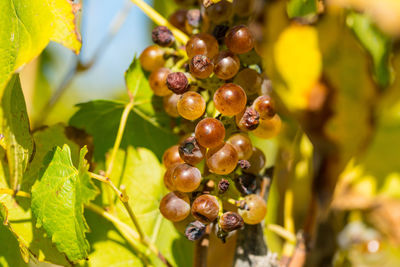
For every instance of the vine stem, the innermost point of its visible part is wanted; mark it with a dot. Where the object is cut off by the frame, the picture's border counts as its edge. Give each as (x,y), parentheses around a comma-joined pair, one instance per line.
(160,20)
(7,191)
(118,139)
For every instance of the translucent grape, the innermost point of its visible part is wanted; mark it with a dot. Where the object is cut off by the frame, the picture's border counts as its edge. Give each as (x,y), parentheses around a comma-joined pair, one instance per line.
(239,39)
(186,178)
(242,143)
(202,44)
(175,206)
(157,81)
(210,132)
(152,58)
(170,105)
(256,209)
(171,156)
(268,128)
(191,105)
(230,99)
(222,159)
(226,65)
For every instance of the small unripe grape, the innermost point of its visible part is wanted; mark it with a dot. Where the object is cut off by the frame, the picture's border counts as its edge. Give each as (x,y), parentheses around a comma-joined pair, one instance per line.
(257,161)
(250,80)
(205,208)
(168,179)
(268,128)
(248,119)
(231,221)
(256,209)
(201,66)
(210,132)
(222,159)
(157,81)
(178,19)
(243,8)
(152,58)
(171,156)
(191,105)
(226,65)
(230,99)
(239,39)
(175,206)
(170,105)
(186,178)
(242,143)
(202,44)
(265,107)
(191,151)
(220,12)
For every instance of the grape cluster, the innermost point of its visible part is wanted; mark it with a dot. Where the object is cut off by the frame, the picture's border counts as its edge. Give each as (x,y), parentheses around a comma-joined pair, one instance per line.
(214,85)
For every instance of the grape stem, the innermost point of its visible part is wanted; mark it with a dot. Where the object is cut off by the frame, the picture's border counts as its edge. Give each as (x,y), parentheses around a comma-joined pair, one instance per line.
(282,232)
(7,191)
(160,20)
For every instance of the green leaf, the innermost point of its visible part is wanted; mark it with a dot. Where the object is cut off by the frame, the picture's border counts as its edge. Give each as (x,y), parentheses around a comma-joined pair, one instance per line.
(165,7)
(27,26)
(301,8)
(58,199)
(101,119)
(376,43)
(15,128)
(141,172)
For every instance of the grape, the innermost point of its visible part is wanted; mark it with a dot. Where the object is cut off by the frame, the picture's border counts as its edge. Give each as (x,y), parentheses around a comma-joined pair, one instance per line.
(201,66)
(175,206)
(186,178)
(157,81)
(239,39)
(210,132)
(162,36)
(168,179)
(178,19)
(177,82)
(202,44)
(191,151)
(256,209)
(243,8)
(152,58)
(222,159)
(268,128)
(230,99)
(230,221)
(257,161)
(248,119)
(195,230)
(170,104)
(171,156)
(205,208)
(220,12)
(191,105)
(242,143)
(193,20)
(250,80)
(265,107)
(226,65)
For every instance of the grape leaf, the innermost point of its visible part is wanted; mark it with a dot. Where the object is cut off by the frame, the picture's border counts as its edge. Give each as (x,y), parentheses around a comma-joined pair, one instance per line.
(58,198)
(301,8)
(142,174)
(27,26)
(15,128)
(101,119)
(375,42)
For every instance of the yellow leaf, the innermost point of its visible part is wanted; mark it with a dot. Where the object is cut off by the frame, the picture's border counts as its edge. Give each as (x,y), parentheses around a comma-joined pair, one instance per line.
(299,62)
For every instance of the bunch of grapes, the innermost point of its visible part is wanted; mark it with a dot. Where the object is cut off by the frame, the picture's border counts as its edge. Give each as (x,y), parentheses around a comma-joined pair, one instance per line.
(215,87)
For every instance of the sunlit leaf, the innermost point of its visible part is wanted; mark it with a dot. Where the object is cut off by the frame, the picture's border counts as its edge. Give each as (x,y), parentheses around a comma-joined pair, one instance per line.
(301,8)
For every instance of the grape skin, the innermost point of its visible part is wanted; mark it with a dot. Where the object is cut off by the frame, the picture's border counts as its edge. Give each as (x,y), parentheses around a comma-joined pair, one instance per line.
(171,156)
(230,99)
(186,178)
(152,58)
(222,159)
(256,209)
(191,105)
(175,206)
(242,143)
(210,132)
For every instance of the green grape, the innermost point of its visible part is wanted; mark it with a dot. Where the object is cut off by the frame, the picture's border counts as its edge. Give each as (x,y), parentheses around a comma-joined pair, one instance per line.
(157,81)
(257,161)
(201,66)
(250,80)
(222,159)
(205,208)
(239,39)
(175,206)
(226,65)
(170,105)
(191,151)
(268,128)
(220,12)
(242,143)
(171,156)
(202,44)
(186,178)
(191,105)
(230,99)
(210,132)
(152,58)
(265,107)
(256,209)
